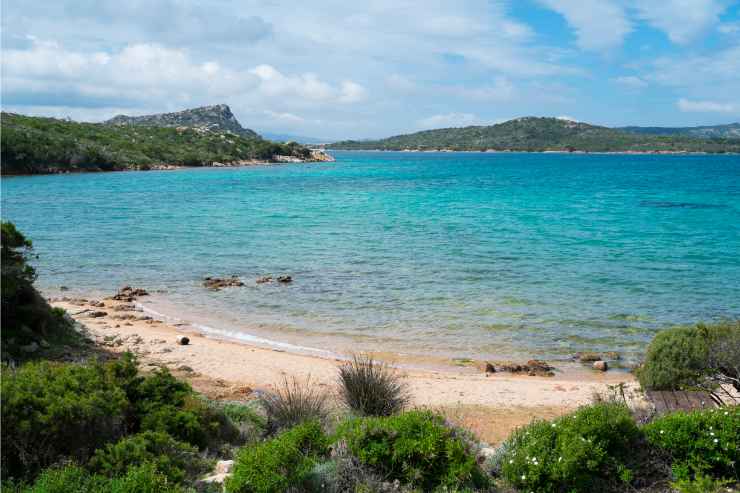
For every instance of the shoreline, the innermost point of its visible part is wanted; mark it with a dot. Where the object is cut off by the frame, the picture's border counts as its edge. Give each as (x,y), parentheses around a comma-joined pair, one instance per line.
(317,156)
(224,369)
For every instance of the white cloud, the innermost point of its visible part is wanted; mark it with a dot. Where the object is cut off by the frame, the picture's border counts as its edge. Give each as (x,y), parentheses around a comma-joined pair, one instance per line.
(600,25)
(682,20)
(400,83)
(712,72)
(351,92)
(288,118)
(631,81)
(501,89)
(706,106)
(449,120)
(729,28)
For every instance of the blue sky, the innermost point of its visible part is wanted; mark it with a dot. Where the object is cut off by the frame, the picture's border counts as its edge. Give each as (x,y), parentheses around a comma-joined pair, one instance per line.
(339,69)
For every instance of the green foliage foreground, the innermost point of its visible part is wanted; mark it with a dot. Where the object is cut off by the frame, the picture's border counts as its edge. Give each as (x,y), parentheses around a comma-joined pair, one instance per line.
(43,145)
(700,443)
(281,462)
(687,357)
(584,451)
(416,447)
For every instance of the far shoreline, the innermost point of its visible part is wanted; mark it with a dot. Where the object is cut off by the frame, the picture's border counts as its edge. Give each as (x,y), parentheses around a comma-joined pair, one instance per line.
(554,151)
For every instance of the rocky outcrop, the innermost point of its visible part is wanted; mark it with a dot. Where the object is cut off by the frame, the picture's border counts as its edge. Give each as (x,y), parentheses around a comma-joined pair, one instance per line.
(217,283)
(217,118)
(533,368)
(129,294)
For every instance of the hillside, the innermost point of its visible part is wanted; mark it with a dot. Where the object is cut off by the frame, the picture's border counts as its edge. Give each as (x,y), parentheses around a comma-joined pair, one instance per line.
(729,131)
(542,134)
(217,118)
(46,145)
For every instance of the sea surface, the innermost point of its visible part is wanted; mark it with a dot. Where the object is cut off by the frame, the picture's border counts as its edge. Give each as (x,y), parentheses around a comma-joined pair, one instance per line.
(442,254)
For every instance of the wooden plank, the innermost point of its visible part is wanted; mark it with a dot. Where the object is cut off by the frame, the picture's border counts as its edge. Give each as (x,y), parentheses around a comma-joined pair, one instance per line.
(656,398)
(671,401)
(696,400)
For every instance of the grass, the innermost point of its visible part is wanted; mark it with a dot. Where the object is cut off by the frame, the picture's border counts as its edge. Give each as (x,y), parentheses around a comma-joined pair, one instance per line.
(371,388)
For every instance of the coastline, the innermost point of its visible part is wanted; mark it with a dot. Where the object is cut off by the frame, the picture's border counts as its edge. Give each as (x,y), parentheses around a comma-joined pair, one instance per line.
(317,156)
(490,404)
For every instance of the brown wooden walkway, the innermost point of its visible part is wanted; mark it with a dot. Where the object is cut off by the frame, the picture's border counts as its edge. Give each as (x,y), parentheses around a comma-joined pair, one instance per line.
(666,401)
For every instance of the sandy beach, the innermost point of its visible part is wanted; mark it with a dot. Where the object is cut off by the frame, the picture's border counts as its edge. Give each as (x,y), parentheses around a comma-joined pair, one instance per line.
(491,405)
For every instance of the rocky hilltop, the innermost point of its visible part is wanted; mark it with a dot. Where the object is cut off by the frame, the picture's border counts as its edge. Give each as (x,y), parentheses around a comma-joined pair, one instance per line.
(216,118)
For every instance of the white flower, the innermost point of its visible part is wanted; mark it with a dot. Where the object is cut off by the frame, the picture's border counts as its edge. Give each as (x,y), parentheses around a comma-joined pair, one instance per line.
(524,477)
(711,433)
(661,432)
(511,461)
(716,441)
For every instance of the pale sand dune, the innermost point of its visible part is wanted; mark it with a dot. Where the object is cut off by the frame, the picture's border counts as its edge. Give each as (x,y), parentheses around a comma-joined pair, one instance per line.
(491,406)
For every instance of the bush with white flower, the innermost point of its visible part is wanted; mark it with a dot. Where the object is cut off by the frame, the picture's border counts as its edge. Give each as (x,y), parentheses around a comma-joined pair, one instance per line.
(700,443)
(586,451)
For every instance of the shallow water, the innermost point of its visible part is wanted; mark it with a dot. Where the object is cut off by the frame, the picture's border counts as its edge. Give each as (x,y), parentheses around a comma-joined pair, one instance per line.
(452,254)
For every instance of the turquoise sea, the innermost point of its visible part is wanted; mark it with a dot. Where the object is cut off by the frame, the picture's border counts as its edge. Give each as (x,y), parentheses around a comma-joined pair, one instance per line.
(449,254)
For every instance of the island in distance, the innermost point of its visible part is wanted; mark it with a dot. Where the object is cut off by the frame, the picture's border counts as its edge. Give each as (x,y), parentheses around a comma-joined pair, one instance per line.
(538,134)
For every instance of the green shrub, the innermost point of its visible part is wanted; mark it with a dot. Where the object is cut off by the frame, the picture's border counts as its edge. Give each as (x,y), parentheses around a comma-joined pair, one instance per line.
(586,451)
(142,479)
(52,411)
(702,484)
(294,403)
(415,447)
(161,402)
(701,443)
(682,356)
(173,459)
(26,315)
(371,388)
(279,463)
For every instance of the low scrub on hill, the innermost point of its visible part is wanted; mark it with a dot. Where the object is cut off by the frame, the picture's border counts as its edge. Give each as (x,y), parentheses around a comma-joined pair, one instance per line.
(42,145)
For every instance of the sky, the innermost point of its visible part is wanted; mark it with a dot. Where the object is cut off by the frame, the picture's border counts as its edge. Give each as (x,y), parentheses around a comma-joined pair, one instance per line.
(342,69)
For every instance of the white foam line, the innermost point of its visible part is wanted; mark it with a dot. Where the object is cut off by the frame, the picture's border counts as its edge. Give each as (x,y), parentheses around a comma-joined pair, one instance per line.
(238,336)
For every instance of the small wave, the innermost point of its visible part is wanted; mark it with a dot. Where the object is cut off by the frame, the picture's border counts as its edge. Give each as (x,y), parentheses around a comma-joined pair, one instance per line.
(237,335)
(680,205)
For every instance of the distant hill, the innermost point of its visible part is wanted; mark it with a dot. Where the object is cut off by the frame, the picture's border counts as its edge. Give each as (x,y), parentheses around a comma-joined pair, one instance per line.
(215,118)
(543,134)
(301,139)
(729,131)
(46,145)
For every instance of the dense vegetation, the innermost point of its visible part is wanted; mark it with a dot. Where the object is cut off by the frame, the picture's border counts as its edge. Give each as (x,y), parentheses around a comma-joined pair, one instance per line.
(543,134)
(29,325)
(702,356)
(47,145)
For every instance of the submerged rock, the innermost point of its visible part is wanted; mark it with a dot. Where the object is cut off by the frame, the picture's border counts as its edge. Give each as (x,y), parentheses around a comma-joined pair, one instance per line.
(285,279)
(217,283)
(263,280)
